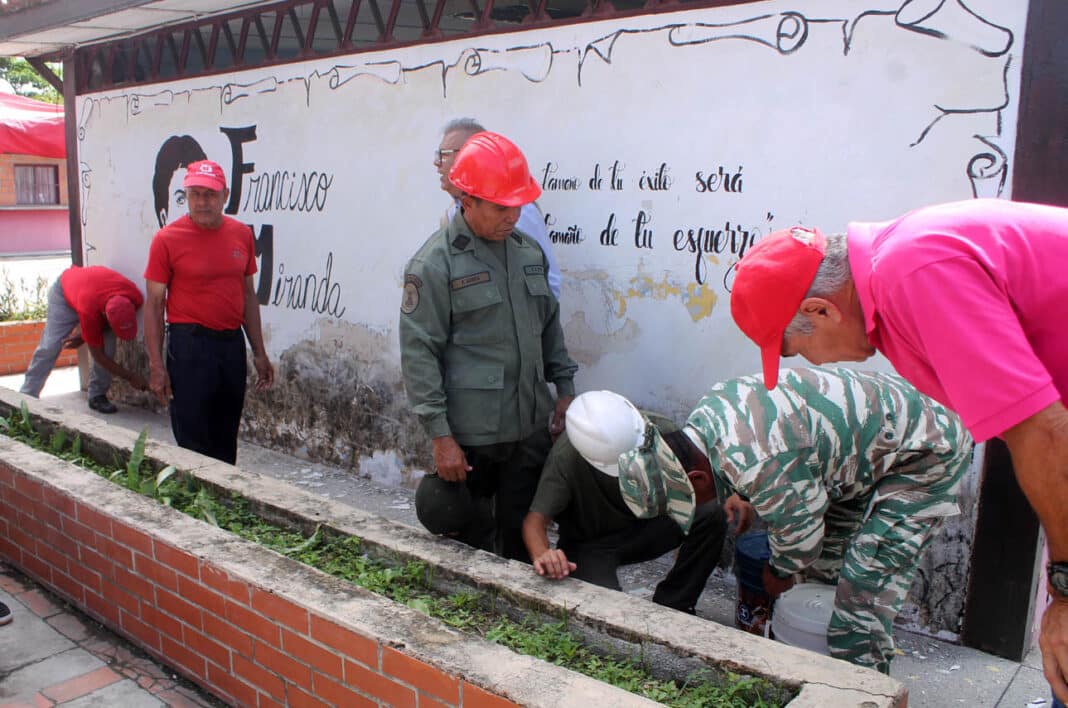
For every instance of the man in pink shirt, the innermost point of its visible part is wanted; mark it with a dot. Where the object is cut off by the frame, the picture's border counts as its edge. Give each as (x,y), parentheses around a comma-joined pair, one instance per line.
(967,301)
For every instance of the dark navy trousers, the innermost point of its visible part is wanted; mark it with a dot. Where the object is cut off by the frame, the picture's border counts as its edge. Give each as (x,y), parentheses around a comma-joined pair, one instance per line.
(207,370)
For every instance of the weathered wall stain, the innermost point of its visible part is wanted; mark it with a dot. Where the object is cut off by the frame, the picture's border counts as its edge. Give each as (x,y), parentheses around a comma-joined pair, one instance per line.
(337,399)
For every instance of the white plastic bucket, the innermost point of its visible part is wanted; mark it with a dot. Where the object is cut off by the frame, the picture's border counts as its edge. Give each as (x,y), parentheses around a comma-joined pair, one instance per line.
(802,614)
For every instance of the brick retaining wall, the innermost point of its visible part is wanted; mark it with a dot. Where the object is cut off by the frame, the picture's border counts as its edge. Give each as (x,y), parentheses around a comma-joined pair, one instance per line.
(257,628)
(17,342)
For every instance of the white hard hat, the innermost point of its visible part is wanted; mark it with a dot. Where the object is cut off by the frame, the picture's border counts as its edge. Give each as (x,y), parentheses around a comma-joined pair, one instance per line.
(602,426)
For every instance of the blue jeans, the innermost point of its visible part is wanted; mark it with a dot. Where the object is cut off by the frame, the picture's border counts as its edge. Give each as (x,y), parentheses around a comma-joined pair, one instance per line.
(1056,703)
(59,323)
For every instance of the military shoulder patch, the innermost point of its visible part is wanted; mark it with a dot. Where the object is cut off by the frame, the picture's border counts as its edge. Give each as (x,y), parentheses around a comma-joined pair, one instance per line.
(461,241)
(534,270)
(473,279)
(410,298)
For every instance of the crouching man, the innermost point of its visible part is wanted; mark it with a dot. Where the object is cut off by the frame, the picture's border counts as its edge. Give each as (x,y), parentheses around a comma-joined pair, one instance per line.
(606,521)
(853,474)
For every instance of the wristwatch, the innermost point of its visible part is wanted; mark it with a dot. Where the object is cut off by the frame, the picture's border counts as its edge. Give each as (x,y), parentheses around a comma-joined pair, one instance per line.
(1058,578)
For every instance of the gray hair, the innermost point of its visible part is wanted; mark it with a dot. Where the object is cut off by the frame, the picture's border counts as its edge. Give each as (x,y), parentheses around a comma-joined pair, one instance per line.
(468,126)
(832,275)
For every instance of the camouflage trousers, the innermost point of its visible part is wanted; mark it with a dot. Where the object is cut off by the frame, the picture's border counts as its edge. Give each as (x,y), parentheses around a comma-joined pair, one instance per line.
(873,561)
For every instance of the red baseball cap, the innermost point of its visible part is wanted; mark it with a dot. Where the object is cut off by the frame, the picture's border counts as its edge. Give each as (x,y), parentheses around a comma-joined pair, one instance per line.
(122,316)
(769,285)
(205,173)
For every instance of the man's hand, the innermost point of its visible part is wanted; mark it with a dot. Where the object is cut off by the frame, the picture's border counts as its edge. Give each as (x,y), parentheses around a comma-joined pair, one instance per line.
(739,513)
(138,382)
(554,564)
(160,383)
(556,425)
(449,460)
(264,371)
(74,340)
(773,584)
(1054,644)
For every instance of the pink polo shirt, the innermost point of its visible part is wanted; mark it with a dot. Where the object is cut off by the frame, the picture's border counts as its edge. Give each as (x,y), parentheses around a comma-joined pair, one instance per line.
(969,302)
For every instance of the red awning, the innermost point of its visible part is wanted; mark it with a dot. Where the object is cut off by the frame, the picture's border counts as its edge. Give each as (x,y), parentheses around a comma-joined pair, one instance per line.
(29,127)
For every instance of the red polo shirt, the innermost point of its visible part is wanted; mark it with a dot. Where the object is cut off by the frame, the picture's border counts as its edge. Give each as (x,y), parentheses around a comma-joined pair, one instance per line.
(204,271)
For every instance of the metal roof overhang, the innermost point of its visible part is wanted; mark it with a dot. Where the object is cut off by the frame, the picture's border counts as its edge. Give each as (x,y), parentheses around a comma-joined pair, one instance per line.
(54,28)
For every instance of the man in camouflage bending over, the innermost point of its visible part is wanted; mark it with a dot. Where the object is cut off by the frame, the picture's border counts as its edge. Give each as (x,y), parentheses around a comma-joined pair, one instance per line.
(853,474)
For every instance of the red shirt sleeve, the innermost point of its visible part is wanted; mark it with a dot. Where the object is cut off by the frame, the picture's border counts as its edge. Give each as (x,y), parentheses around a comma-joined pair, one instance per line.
(158,268)
(250,269)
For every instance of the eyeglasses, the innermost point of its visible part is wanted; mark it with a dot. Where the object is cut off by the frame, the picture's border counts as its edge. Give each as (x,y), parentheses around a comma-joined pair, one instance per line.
(440,155)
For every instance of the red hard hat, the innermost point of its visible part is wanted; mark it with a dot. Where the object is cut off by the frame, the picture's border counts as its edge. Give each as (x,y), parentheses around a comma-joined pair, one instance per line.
(490,166)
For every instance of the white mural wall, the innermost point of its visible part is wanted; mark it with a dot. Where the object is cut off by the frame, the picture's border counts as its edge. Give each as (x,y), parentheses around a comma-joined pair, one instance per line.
(666,146)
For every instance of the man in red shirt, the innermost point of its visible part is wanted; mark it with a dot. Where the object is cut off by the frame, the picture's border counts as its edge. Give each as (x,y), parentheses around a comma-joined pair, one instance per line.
(91,305)
(200,270)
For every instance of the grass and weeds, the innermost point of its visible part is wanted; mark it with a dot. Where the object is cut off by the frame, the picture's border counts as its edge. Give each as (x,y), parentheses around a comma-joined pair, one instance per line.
(410,584)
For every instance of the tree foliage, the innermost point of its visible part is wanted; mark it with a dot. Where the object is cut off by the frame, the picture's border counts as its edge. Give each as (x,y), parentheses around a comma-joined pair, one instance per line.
(27,82)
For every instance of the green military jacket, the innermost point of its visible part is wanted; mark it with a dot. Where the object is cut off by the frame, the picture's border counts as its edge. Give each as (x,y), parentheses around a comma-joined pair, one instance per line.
(480,341)
(835,440)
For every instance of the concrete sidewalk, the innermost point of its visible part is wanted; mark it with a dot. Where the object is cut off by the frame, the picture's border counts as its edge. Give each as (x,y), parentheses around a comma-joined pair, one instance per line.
(937,673)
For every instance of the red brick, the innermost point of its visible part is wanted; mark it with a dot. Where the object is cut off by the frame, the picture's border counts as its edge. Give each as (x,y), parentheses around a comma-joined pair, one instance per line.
(98,562)
(421,675)
(426,701)
(475,697)
(131,538)
(174,605)
(254,624)
(39,603)
(339,694)
(85,575)
(35,567)
(30,488)
(117,593)
(159,574)
(259,677)
(94,519)
(227,633)
(378,686)
(79,532)
(301,699)
(166,624)
(201,644)
(52,556)
(281,664)
(202,597)
(9,550)
(179,560)
(224,681)
(180,655)
(29,523)
(81,685)
(144,632)
(69,587)
(349,643)
(104,610)
(22,539)
(219,580)
(280,610)
(266,702)
(134,583)
(7,475)
(122,555)
(319,658)
(59,501)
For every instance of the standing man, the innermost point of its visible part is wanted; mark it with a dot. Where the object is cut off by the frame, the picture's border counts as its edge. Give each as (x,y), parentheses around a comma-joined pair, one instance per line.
(852,473)
(92,305)
(480,339)
(531,220)
(967,301)
(200,270)
(602,527)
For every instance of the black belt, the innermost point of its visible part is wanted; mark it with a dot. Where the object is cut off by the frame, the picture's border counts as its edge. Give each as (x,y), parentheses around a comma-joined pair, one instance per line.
(202,331)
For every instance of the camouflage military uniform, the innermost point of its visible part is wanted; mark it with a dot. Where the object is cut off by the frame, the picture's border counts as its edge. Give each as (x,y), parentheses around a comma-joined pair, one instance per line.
(853,474)
(480,338)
